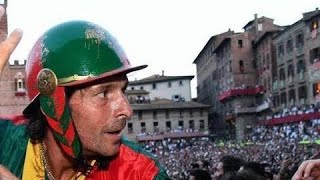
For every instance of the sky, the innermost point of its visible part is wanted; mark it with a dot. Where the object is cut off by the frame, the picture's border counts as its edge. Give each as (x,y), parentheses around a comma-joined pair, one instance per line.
(167,35)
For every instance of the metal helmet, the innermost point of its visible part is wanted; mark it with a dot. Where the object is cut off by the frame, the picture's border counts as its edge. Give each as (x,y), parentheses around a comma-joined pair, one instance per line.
(69,54)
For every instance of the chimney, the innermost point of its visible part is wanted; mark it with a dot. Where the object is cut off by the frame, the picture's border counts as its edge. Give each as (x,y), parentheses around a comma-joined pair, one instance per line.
(162,72)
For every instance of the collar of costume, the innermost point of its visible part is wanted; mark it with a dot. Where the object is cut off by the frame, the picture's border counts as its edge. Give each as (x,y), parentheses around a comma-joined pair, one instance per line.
(33,166)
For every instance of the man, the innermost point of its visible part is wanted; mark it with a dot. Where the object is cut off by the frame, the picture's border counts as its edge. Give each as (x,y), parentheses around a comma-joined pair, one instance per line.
(228,166)
(75,76)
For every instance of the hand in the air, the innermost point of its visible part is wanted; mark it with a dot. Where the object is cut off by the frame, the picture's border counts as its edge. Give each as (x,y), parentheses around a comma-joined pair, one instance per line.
(309,169)
(8,45)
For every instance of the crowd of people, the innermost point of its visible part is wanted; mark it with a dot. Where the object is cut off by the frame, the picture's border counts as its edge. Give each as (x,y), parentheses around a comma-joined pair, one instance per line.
(279,149)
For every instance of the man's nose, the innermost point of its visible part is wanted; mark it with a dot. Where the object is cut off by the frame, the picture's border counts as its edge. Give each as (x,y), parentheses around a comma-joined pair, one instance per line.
(123,107)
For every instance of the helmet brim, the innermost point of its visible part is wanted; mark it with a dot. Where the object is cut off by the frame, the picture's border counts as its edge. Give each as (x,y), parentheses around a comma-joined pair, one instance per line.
(125,70)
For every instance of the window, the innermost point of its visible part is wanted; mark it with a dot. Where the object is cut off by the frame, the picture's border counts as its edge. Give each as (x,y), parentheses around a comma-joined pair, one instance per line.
(314,25)
(259,27)
(280,50)
(167,114)
(130,129)
(191,113)
(241,66)
(132,88)
(143,127)
(289,46)
(315,55)
(240,45)
(141,87)
(191,124)
(168,126)
(155,127)
(154,86)
(299,40)
(181,113)
(139,115)
(181,83)
(201,125)
(154,114)
(169,84)
(180,124)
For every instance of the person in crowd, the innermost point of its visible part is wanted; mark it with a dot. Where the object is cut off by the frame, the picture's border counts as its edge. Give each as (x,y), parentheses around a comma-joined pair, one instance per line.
(76,75)
(227,165)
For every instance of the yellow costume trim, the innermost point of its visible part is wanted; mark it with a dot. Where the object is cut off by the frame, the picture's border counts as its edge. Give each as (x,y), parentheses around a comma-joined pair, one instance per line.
(33,167)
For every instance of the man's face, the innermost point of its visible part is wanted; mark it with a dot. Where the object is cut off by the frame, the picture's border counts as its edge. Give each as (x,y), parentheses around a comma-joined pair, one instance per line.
(218,174)
(100,113)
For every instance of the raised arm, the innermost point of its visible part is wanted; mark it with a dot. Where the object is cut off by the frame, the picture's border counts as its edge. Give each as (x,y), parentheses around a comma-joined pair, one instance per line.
(9,44)
(309,168)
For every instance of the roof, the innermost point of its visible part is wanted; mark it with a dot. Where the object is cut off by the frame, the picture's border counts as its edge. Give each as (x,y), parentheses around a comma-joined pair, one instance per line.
(264,35)
(159,78)
(252,21)
(309,15)
(168,104)
(129,91)
(221,44)
(211,40)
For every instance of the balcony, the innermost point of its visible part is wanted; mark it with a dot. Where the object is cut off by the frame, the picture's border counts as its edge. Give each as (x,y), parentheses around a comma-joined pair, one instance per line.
(266,105)
(241,92)
(245,110)
(292,119)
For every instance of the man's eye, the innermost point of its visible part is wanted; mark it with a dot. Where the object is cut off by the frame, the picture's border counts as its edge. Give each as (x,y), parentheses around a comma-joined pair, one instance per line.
(103,94)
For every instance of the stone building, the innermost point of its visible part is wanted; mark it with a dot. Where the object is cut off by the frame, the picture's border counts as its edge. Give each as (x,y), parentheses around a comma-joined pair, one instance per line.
(160,86)
(164,116)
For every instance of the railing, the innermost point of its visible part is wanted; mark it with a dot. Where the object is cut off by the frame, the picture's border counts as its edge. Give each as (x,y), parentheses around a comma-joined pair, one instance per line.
(292,118)
(245,110)
(241,92)
(262,107)
(172,135)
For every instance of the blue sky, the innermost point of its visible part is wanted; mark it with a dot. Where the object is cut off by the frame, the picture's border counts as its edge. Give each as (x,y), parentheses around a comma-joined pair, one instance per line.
(165,34)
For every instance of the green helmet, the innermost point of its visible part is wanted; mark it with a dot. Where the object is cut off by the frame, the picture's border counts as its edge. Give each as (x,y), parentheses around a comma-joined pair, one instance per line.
(69,54)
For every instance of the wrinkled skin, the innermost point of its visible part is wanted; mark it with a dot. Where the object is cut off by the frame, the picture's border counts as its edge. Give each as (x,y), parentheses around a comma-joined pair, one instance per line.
(99,113)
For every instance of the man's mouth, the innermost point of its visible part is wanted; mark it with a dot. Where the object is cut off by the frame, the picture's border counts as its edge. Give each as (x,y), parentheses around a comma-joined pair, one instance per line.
(114,132)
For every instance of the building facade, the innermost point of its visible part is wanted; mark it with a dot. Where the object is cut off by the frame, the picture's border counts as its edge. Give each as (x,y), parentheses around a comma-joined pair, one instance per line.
(176,88)
(233,77)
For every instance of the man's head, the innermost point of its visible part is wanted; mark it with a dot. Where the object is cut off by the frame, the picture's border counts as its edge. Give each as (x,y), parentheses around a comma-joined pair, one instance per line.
(76,73)
(228,164)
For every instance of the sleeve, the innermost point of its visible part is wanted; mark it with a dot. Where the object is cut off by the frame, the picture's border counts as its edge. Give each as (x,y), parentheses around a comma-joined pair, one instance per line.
(13,142)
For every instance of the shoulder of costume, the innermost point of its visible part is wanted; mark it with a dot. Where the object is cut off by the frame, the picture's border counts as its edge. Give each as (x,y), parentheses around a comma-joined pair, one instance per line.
(14,119)
(13,142)
(144,156)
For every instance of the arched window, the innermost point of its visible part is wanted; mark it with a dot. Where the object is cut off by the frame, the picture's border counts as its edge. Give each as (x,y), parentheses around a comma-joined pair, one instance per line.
(301,69)
(290,73)
(282,77)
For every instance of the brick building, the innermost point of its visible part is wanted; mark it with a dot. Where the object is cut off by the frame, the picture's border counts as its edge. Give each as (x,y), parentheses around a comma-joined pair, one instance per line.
(264,70)
(233,77)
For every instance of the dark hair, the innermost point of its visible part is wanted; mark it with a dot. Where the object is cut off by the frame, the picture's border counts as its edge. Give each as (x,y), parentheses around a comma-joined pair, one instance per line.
(200,174)
(36,127)
(258,169)
(247,174)
(231,163)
